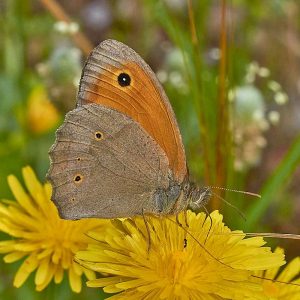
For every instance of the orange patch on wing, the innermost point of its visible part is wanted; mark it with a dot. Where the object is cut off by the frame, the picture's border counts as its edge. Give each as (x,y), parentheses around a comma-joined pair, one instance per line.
(142,102)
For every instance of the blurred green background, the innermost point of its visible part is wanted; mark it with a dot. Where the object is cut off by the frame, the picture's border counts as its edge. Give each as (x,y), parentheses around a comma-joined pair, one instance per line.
(234,83)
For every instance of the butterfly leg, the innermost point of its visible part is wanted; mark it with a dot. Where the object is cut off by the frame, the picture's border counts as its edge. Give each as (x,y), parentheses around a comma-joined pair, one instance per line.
(186,224)
(148,232)
(211,222)
(177,220)
(185,218)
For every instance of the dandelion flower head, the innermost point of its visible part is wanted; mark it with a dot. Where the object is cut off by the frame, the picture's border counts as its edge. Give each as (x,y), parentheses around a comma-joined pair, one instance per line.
(47,242)
(281,284)
(211,263)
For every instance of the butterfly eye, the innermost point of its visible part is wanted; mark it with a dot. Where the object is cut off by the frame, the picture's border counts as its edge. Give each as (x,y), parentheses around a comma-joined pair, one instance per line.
(124,79)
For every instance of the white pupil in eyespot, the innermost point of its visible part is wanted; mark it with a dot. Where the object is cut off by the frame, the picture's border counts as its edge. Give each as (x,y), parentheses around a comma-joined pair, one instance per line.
(124,79)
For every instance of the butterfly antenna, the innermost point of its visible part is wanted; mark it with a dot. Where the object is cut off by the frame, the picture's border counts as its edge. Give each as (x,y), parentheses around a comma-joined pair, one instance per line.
(276,281)
(289,236)
(232,206)
(235,191)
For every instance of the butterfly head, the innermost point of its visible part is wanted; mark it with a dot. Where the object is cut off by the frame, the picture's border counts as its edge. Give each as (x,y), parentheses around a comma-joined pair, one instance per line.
(197,197)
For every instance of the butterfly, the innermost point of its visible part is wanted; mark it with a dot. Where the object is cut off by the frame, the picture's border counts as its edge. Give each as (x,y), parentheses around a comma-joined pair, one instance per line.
(119,153)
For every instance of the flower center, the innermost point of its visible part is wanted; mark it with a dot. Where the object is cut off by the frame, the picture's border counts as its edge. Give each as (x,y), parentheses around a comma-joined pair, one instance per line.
(177,261)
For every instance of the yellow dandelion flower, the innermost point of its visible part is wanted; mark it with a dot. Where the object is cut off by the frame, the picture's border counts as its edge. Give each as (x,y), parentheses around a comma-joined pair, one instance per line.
(41,113)
(287,282)
(213,264)
(48,242)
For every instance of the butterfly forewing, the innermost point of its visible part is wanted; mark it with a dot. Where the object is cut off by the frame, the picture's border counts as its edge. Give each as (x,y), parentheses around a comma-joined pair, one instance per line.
(117,77)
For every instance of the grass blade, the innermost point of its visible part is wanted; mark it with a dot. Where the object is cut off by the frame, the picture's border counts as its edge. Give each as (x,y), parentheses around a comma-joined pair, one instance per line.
(276,181)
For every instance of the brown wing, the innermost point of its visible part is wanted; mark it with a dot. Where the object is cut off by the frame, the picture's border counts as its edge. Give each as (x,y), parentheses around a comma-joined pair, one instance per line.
(143,99)
(105,165)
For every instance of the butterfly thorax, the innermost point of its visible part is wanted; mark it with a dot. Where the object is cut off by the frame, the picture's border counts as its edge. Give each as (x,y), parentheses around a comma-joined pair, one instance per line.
(178,197)
(167,200)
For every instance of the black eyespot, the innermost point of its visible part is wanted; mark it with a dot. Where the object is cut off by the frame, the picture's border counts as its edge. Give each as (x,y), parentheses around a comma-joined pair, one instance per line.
(78,159)
(77,178)
(124,79)
(98,135)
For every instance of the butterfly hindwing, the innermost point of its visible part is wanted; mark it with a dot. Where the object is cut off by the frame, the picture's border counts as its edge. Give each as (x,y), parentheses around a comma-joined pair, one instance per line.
(104,164)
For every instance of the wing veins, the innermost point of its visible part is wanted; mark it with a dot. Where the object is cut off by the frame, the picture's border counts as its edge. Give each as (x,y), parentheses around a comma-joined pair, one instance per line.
(156,99)
(122,145)
(109,150)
